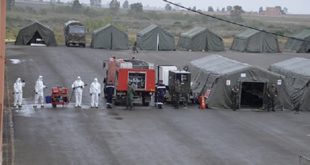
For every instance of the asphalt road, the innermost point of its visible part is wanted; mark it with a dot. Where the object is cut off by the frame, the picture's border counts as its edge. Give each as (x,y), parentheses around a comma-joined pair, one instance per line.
(145,136)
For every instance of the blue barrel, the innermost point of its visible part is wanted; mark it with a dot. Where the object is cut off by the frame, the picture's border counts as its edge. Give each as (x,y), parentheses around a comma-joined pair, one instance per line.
(48,99)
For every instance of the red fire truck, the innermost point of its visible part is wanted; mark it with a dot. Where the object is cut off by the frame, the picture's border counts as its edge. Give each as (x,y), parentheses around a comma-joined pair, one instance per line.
(122,71)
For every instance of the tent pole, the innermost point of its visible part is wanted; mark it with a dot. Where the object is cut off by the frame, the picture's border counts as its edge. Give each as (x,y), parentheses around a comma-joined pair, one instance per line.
(157,42)
(111,41)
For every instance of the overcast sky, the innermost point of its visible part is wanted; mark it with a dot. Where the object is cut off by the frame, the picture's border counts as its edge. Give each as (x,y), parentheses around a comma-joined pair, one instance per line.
(294,6)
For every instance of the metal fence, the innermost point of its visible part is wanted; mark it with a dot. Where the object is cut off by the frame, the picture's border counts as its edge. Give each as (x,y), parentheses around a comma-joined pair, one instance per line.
(303,160)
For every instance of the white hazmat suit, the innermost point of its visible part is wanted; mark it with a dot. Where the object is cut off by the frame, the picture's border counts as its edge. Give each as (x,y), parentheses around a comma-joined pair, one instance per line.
(39,92)
(95,90)
(18,92)
(78,86)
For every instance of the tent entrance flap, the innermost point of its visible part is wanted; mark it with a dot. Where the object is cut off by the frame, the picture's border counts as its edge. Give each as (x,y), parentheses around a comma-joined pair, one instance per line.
(206,47)
(36,38)
(252,94)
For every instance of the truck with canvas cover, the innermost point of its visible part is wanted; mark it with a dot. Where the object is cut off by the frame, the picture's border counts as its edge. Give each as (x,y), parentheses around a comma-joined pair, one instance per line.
(141,74)
(74,32)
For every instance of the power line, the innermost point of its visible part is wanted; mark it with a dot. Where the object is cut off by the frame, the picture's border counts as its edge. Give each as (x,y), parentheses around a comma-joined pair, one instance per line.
(231,22)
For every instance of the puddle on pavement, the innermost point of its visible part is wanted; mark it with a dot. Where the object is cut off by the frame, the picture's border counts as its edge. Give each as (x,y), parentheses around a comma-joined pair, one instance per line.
(118,118)
(15,61)
(113,114)
(26,111)
(116,115)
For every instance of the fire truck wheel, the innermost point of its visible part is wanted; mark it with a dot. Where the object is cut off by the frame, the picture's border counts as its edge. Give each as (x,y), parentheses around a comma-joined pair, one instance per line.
(145,102)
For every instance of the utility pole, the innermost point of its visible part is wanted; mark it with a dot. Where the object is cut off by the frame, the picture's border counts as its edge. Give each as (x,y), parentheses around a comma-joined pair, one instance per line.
(2,63)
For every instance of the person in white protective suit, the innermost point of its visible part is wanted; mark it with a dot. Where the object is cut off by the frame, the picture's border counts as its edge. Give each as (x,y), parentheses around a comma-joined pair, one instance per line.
(78,86)
(18,92)
(39,92)
(95,90)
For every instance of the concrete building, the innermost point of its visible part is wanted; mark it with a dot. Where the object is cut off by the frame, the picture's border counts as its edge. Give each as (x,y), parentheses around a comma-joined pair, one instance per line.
(272,11)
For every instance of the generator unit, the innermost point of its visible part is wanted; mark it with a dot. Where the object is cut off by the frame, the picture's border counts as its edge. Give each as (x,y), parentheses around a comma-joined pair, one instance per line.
(179,85)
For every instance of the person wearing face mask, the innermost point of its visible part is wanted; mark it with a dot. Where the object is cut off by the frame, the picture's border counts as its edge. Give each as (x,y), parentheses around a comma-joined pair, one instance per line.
(18,92)
(39,92)
(78,86)
(95,90)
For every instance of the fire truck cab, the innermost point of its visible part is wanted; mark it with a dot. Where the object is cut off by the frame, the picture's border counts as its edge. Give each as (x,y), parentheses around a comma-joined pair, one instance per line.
(140,73)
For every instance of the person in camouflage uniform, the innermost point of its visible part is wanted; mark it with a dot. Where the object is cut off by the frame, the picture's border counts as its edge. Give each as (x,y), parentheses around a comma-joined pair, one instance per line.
(130,95)
(177,93)
(234,97)
(272,93)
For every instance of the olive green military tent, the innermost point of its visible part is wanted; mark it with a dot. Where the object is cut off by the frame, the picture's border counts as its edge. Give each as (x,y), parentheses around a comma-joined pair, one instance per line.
(214,77)
(34,33)
(155,38)
(300,46)
(256,42)
(109,37)
(297,78)
(200,39)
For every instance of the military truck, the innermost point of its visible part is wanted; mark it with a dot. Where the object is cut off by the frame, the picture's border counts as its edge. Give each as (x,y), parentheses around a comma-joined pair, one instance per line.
(74,32)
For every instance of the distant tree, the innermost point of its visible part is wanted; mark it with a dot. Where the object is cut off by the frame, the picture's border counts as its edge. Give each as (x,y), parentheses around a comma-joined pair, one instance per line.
(285,10)
(136,7)
(114,5)
(76,5)
(95,2)
(223,9)
(218,10)
(261,9)
(229,8)
(210,9)
(236,13)
(126,4)
(168,7)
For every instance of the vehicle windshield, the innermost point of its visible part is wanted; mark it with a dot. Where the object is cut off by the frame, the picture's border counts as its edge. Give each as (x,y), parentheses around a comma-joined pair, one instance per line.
(76,29)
